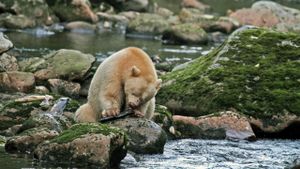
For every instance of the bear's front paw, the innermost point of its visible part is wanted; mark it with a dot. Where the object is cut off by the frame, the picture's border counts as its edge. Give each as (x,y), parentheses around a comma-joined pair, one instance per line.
(137,113)
(110,112)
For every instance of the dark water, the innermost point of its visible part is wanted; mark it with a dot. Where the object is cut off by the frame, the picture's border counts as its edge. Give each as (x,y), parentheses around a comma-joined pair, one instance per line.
(199,154)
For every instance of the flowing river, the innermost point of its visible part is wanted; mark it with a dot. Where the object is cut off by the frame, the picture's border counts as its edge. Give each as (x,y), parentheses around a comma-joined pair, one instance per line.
(199,154)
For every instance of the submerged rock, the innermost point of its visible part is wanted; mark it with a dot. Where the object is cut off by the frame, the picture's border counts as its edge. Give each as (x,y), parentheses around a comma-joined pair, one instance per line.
(17,81)
(85,144)
(80,26)
(256,72)
(269,14)
(145,136)
(194,4)
(65,64)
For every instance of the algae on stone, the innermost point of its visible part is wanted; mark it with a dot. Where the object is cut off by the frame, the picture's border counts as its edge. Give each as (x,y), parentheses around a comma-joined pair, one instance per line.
(255,71)
(78,130)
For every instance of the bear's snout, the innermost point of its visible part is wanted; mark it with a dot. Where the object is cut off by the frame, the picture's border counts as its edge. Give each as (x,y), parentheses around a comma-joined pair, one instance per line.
(134,105)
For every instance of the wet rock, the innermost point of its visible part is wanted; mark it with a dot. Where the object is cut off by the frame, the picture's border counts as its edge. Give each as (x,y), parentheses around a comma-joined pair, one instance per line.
(17,81)
(36,12)
(18,22)
(80,26)
(245,73)
(41,90)
(65,88)
(65,64)
(5,43)
(187,33)
(223,24)
(269,14)
(85,144)
(194,4)
(84,89)
(130,15)
(27,141)
(148,23)
(227,124)
(112,17)
(145,136)
(74,10)
(8,63)
(133,5)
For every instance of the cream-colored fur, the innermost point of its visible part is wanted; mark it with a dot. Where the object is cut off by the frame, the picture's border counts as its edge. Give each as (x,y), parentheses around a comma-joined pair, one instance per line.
(126,79)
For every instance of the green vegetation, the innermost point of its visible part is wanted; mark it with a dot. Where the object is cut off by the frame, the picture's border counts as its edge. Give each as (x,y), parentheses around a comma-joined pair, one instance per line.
(78,130)
(256,72)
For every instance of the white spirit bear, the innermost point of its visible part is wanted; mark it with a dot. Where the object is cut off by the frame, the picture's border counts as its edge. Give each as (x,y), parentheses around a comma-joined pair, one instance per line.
(125,80)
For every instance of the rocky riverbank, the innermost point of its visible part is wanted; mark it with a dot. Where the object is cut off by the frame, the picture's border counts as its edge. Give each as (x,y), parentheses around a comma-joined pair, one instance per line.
(246,88)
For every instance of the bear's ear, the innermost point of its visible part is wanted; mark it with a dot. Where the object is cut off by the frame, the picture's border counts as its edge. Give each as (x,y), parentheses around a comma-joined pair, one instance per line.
(135,71)
(158,84)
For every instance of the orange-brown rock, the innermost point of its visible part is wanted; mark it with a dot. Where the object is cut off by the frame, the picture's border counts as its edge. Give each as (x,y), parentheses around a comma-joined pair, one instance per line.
(227,124)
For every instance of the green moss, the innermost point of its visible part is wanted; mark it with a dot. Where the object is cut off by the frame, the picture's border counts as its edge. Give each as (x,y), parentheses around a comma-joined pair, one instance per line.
(78,130)
(8,123)
(13,109)
(256,72)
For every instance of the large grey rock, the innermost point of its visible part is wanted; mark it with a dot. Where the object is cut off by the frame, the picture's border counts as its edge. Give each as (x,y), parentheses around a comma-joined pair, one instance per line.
(255,72)
(85,144)
(5,43)
(65,64)
(18,22)
(8,63)
(17,81)
(145,136)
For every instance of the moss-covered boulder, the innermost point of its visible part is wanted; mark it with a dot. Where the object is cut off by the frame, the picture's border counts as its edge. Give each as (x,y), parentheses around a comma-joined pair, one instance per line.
(66,88)
(85,144)
(65,64)
(256,72)
(145,136)
(148,23)
(186,33)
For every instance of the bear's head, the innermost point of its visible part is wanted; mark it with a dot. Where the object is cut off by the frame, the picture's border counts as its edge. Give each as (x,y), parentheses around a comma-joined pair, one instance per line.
(140,89)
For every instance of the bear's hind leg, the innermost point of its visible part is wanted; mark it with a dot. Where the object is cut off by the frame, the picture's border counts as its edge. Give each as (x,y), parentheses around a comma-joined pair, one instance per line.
(85,113)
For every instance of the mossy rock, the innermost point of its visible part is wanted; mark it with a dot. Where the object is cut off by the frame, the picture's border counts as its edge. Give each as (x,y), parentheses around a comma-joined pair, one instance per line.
(66,64)
(148,23)
(79,130)
(256,71)
(186,33)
